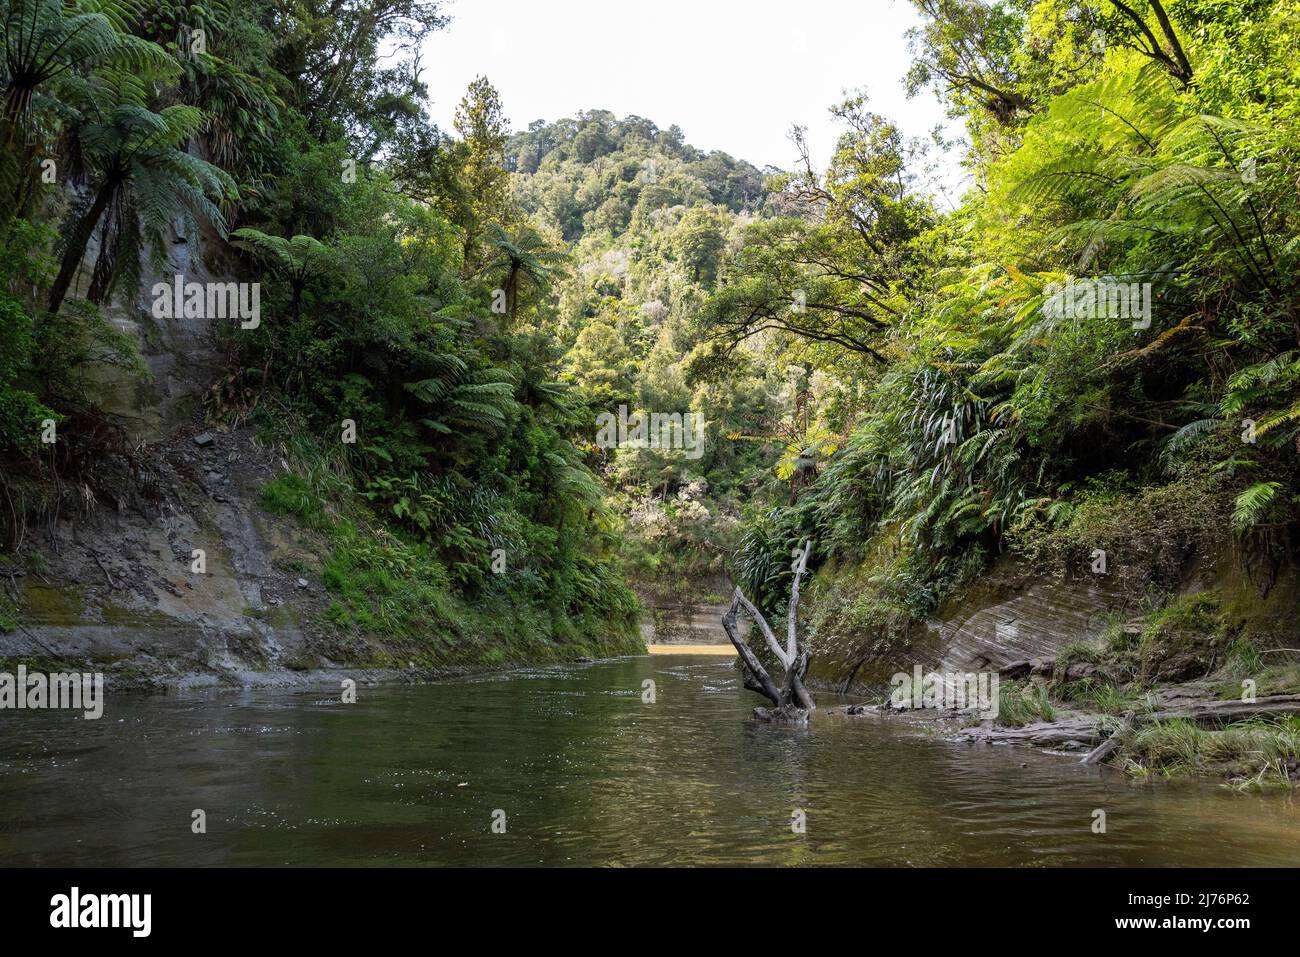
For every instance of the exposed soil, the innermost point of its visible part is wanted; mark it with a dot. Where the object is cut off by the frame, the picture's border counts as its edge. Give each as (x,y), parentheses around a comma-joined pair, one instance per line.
(112,588)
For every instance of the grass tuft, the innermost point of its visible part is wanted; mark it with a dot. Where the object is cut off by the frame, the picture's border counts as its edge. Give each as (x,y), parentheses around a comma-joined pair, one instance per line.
(1019,705)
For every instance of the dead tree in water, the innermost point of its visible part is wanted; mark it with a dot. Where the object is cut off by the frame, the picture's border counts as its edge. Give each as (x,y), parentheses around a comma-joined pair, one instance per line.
(791,702)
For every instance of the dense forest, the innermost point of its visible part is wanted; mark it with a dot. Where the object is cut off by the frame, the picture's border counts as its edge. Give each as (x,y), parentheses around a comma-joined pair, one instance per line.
(927,391)
(1094,352)
(427,430)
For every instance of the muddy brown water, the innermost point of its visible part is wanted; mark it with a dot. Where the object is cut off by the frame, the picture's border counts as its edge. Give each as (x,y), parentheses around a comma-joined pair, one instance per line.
(585,773)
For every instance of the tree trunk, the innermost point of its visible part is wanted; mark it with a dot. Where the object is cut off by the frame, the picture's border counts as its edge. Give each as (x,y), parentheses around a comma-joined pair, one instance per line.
(76,250)
(791,702)
(512,291)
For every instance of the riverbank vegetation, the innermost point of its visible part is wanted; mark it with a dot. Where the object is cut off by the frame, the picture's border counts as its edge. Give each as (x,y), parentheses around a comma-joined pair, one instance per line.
(291,148)
(1253,754)
(994,422)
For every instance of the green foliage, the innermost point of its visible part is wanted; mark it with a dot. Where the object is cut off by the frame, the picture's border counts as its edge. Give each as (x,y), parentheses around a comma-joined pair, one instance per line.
(1253,504)
(596,173)
(521,260)
(141,181)
(293,256)
(1019,705)
(984,416)
(900,384)
(461,456)
(1185,639)
(1099,697)
(1255,754)
(413,590)
(1197,612)
(20,411)
(376,242)
(290,495)
(1243,660)
(835,272)
(650,221)
(760,563)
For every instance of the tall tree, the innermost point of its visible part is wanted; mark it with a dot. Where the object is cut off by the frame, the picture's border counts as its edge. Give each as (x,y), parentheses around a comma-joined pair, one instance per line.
(967,48)
(836,271)
(481,122)
(521,257)
(138,172)
(47,49)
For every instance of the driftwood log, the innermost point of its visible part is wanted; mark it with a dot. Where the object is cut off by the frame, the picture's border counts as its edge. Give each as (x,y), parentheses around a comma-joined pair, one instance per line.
(791,702)
(1085,731)
(1103,750)
(1214,712)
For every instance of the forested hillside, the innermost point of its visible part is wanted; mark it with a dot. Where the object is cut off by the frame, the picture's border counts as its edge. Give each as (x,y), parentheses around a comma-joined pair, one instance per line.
(1087,372)
(1090,365)
(647,222)
(423,439)
(1089,368)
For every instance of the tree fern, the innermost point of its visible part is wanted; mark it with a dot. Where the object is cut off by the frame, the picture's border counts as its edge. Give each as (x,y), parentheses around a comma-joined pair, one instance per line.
(1252,504)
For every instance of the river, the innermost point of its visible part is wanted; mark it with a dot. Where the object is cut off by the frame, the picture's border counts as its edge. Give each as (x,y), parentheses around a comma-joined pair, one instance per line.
(575,768)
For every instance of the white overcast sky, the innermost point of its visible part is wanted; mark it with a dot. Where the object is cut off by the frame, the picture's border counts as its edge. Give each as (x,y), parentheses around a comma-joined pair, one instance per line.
(733,74)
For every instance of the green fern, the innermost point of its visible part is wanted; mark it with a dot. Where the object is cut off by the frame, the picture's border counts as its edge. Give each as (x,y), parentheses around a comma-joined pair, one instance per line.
(1252,504)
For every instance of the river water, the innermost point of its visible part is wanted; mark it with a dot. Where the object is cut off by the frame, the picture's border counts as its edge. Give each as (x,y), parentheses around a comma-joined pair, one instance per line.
(578,770)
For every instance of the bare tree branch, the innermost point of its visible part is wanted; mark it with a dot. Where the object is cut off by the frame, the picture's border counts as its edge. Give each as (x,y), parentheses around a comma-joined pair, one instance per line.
(792,639)
(791,701)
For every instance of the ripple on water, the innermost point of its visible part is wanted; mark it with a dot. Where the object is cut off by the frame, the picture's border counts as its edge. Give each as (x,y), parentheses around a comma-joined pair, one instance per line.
(586,772)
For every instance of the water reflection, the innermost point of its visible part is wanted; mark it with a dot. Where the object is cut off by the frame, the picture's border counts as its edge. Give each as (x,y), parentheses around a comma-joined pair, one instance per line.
(586,773)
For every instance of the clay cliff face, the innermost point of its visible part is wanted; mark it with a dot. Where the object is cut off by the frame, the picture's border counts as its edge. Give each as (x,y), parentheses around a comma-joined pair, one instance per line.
(1009,615)
(115,589)
(118,592)
(182,354)
(1016,613)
